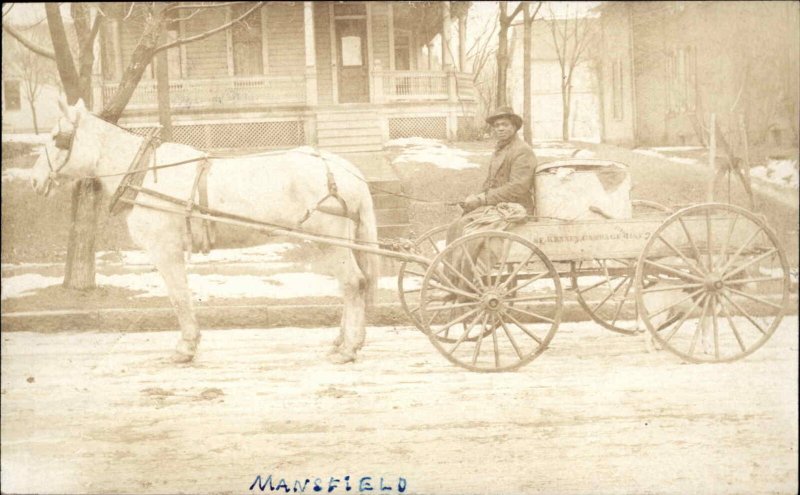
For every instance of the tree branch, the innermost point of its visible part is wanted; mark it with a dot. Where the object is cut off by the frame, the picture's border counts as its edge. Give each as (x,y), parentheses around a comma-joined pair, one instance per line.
(28,44)
(186,7)
(208,33)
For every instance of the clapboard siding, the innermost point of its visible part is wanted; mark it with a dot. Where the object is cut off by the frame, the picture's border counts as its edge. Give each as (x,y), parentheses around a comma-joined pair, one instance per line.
(380,34)
(285,38)
(206,58)
(322,43)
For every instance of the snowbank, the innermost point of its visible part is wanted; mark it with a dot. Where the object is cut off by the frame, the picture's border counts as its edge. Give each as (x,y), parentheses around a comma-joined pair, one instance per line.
(12,174)
(432,151)
(674,159)
(781,172)
(26,138)
(264,253)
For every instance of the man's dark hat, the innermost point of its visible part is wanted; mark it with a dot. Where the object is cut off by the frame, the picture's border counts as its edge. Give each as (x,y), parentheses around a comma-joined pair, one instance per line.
(506,112)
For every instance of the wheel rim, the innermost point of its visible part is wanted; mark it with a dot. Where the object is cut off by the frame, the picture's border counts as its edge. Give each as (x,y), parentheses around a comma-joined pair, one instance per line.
(721,283)
(412,273)
(506,309)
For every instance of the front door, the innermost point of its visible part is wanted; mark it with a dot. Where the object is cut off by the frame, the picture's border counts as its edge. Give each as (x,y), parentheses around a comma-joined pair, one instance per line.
(351,45)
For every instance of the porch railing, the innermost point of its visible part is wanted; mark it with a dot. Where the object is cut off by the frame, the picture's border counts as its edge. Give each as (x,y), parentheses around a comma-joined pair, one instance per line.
(204,93)
(405,85)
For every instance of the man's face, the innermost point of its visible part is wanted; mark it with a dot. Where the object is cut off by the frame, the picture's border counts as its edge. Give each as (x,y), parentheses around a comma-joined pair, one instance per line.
(503,128)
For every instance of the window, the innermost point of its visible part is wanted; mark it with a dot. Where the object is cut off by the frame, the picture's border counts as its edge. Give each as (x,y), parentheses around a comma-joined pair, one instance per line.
(682,79)
(12,97)
(246,34)
(402,50)
(616,88)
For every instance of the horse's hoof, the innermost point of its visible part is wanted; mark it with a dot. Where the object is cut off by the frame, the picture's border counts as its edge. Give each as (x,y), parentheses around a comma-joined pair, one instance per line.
(339,357)
(181,358)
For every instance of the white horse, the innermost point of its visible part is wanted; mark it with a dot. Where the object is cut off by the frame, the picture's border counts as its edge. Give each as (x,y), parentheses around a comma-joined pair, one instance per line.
(278,188)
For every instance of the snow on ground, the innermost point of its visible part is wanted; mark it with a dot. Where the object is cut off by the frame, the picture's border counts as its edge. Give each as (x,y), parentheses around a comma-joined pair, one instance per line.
(675,159)
(11,174)
(781,172)
(26,138)
(563,153)
(264,253)
(433,151)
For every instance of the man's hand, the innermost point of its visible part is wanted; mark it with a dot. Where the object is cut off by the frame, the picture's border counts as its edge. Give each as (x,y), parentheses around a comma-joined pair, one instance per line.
(472,202)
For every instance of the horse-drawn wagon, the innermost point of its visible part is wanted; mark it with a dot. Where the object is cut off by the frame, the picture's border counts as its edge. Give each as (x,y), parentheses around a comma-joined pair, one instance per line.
(710,282)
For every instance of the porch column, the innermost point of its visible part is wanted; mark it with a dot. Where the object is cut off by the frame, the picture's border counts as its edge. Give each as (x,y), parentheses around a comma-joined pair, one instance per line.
(430,55)
(446,48)
(311,54)
(462,40)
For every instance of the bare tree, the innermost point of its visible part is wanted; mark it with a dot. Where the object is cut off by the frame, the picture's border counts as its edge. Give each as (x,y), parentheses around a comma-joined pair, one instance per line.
(527,53)
(80,269)
(505,21)
(572,34)
(33,71)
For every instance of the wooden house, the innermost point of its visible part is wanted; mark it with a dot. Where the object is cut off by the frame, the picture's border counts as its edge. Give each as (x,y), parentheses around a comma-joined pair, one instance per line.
(345,76)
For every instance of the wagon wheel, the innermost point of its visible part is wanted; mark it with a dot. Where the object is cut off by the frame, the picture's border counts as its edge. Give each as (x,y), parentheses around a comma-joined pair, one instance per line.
(720,283)
(607,296)
(509,295)
(411,273)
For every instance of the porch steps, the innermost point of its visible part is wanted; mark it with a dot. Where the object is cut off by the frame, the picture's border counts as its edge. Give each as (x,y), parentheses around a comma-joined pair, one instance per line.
(391,210)
(349,130)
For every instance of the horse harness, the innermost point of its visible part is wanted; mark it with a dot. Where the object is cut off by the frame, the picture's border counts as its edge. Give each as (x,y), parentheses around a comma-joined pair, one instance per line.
(333,192)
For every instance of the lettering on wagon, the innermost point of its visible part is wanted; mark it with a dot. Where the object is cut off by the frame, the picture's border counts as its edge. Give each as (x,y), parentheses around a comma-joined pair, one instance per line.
(621,236)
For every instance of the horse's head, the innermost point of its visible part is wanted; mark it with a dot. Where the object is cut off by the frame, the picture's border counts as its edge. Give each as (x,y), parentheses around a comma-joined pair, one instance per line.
(72,153)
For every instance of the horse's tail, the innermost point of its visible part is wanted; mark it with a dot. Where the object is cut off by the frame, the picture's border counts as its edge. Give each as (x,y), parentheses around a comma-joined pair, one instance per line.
(367,234)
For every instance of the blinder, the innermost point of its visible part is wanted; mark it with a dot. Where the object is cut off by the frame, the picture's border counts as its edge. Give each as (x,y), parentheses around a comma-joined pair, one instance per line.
(63,139)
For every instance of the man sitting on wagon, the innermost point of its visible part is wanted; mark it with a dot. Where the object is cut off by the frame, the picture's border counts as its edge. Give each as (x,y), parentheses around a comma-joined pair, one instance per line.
(509,181)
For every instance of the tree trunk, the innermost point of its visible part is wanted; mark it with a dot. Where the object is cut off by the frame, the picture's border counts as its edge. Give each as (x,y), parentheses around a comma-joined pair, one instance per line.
(80,268)
(565,106)
(502,56)
(527,132)
(33,114)
(64,62)
(162,86)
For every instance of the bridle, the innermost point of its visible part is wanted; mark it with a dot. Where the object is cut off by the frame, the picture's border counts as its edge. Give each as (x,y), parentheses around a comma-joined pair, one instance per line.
(64,140)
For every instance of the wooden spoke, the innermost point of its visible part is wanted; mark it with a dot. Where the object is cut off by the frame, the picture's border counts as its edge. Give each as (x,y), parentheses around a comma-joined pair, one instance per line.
(531,280)
(675,271)
(716,327)
(516,271)
(458,320)
(453,306)
(709,242)
(511,339)
(433,244)
(496,349)
(503,258)
(754,298)
(533,298)
(724,251)
(421,275)
(699,325)
(694,266)
(740,250)
(621,304)
(461,276)
(732,325)
(667,308)
(744,313)
(453,289)
(683,319)
(465,334)
(476,275)
(610,294)
(477,350)
(522,327)
(742,281)
(691,241)
(531,314)
(593,286)
(670,288)
(726,276)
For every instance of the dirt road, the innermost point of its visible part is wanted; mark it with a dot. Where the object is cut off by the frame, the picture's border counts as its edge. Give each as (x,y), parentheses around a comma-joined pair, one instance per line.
(105,413)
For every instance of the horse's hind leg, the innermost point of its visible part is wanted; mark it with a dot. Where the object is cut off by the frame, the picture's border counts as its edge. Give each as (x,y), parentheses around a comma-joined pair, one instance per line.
(353,286)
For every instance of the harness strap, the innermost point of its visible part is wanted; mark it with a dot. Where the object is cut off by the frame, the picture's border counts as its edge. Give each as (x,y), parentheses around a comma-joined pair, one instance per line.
(135,174)
(199,188)
(333,192)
